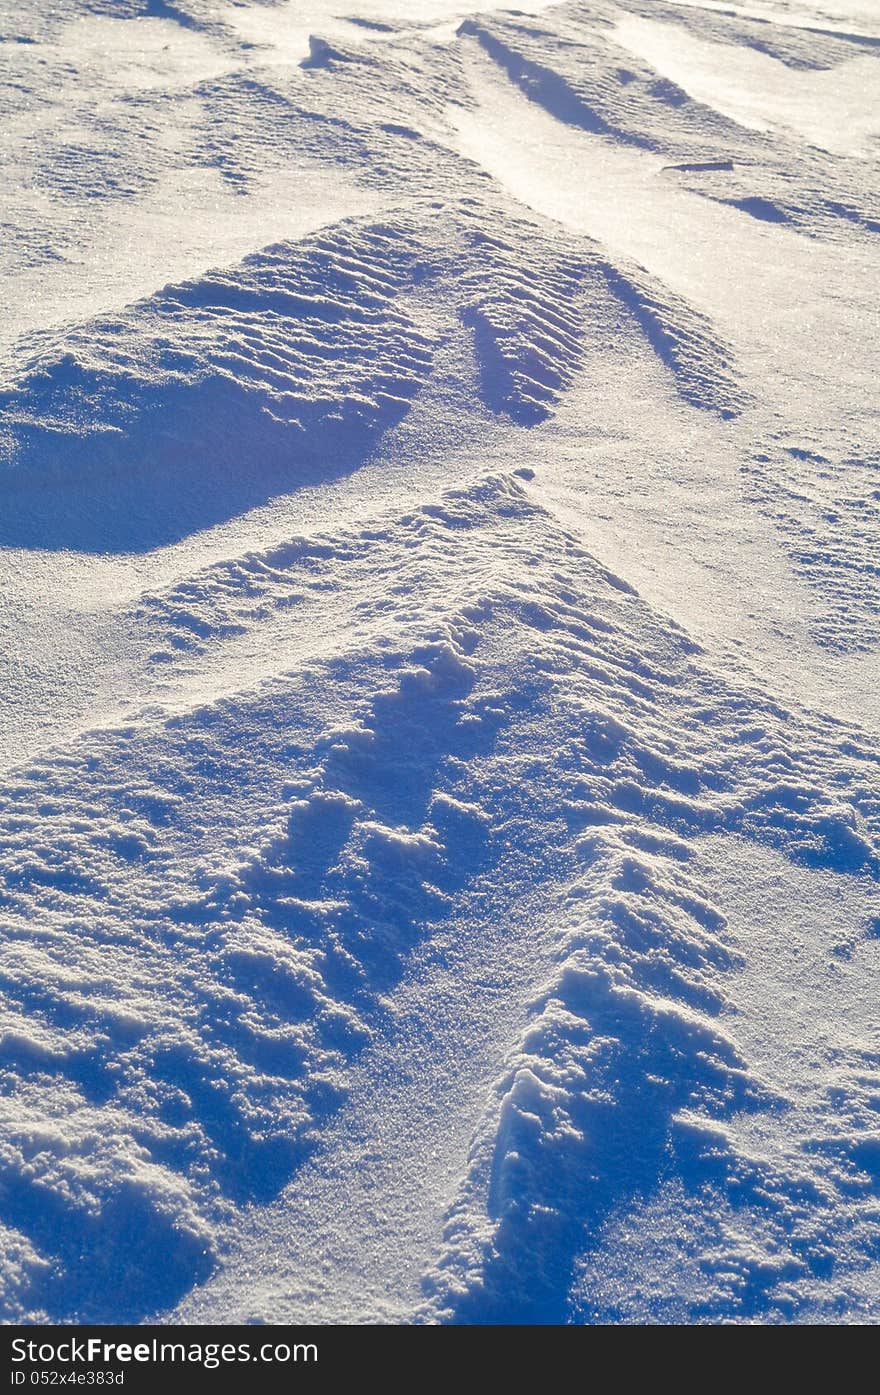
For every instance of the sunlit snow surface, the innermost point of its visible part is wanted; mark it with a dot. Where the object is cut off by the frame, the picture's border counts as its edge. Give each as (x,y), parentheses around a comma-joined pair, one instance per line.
(440,814)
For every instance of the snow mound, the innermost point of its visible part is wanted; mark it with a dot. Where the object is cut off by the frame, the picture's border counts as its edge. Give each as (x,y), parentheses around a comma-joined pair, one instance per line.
(306,350)
(287,368)
(206,911)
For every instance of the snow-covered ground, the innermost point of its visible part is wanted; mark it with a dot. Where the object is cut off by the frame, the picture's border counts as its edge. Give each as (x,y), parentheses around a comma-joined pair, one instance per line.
(439,550)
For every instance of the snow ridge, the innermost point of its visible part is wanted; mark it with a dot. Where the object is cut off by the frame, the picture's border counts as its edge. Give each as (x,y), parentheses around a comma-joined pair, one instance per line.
(620,1040)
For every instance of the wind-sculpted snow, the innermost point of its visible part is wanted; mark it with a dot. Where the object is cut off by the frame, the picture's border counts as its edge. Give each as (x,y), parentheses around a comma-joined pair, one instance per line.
(704,368)
(304,350)
(621,1040)
(596,84)
(601,86)
(204,912)
(810,47)
(440,820)
(307,353)
(624,1057)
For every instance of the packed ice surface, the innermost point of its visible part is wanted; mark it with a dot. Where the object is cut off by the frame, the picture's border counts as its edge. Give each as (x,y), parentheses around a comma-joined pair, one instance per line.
(440,814)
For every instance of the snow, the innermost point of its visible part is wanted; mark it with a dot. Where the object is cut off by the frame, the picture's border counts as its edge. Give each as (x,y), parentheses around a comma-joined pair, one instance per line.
(825,107)
(440,810)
